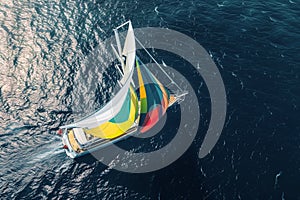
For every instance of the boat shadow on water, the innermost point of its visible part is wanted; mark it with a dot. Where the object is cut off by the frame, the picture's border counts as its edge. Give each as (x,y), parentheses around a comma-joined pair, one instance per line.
(162,182)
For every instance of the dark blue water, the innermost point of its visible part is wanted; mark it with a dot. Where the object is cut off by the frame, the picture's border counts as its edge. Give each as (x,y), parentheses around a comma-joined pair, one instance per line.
(255,45)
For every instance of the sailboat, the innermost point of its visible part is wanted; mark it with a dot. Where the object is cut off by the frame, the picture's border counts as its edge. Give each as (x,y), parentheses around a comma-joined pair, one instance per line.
(134,109)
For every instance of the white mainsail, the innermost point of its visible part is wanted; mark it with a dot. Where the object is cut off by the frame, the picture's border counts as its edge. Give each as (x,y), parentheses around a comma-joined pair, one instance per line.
(112,108)
(129,52)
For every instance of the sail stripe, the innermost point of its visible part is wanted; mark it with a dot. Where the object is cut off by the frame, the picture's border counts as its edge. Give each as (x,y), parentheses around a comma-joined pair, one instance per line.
(141,82)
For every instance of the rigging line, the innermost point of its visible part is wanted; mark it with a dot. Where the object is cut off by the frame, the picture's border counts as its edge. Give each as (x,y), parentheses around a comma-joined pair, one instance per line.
(119,48)
(158,65)
(172,81)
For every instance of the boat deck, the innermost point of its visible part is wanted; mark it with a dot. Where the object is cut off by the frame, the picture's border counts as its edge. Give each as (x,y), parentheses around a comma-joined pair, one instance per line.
(78,148)
(74,144)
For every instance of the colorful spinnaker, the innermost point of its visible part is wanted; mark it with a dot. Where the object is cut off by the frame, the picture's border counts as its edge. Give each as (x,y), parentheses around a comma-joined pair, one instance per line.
(154,98)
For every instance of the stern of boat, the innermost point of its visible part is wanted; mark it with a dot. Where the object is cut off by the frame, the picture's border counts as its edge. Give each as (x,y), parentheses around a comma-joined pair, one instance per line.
(67,145)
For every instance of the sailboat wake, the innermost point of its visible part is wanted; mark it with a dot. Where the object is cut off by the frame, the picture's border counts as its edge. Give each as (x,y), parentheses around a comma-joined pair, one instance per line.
(46,151)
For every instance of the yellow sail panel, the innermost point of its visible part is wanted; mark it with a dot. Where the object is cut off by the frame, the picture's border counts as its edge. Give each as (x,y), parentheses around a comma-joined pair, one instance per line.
(110,130)
(141,82)
(121,122)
